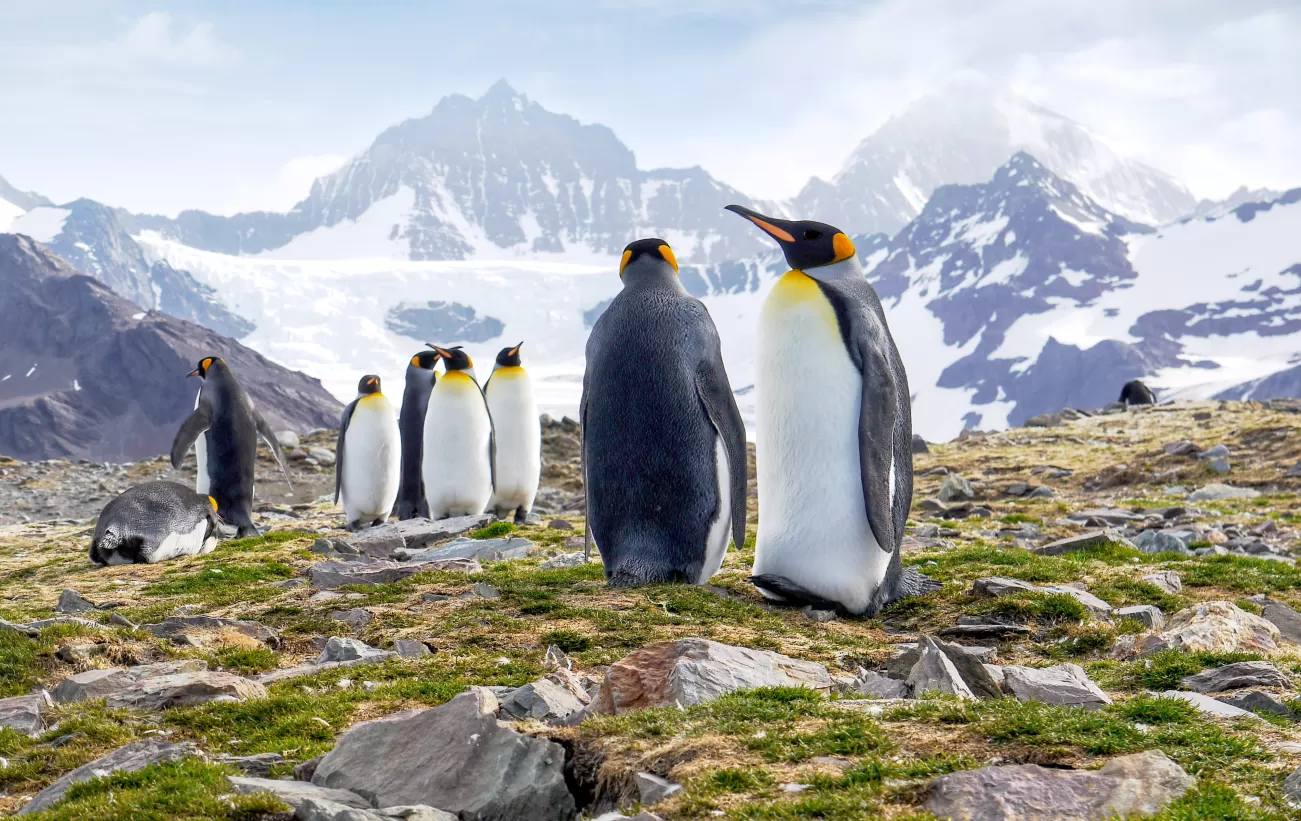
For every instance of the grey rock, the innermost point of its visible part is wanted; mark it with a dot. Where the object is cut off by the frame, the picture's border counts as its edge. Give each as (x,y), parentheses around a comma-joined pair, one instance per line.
(544,700)
(24,714)
(92,684)
(482,549)
(1112,408)
(253,766)
(875,685)
(1209,706)
(410,648)
(934,673)
(305,770)
(1294,472)
(485,591)
(1064,684)
(79,651)
(978,628)
(919,445)
(956,489)
(1160,541)
(560,524)
(294,793)
(564,561)
(356,618)
(1149,615)
(189,629)
(1236,677)
(1131,785)
(1084,541)
(1287,620)
(1181,449)
(652,790)
(1042,492)
(121,621)
(1258,702)
(409,535)
(339,648)
(479,769)
(131,758)
(1000,586)
(995,674)
(1292,787)
(1220,466)
(316,809)
(968,661)
(1044,420)
(184,690)
(71,603)
(321,455)
(1169,582)
(32,629)
(1112,516)
(1221,492)
(329,575)
(287,439)
(1216,452)
(1214,627)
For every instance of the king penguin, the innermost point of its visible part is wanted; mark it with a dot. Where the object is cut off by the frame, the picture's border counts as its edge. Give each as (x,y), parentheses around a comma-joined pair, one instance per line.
(518,429)
(369,457)
(834,428)
(458,456)
(226,418)
(154,522)
(411,422)
(1136,393)
(663,445)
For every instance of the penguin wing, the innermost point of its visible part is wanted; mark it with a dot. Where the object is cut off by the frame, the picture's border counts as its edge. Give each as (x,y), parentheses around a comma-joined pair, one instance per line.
(492,440)
(715,392)
(338,448)
(582,458)
(272,442)
(191,429)
(878,431)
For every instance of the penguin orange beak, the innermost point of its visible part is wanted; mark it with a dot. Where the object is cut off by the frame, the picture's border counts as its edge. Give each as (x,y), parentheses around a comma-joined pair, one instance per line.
(194,372)
(515,350)
(778,229)
(442,352)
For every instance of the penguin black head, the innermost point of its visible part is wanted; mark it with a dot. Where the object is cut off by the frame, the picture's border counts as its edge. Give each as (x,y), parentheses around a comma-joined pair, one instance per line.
(806,244)
(204,365)
(509,357)
(368,384)
(454,359)
(646,255)
(425,359)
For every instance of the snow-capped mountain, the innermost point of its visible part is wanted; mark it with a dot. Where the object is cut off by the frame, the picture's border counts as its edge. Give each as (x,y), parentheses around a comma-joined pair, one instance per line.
(1242,196)
(498,177)
(960,136)
(89,237)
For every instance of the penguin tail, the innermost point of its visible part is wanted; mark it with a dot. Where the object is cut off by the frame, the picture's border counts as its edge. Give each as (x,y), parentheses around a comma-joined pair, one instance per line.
(912,582)
(785,590)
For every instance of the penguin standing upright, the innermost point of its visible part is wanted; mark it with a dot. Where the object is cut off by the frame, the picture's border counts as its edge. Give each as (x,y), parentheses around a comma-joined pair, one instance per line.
(226,416)
(458,456)
(154,522)
(368,457)
(518,465)
(411,422)
(834,425)
(663,444)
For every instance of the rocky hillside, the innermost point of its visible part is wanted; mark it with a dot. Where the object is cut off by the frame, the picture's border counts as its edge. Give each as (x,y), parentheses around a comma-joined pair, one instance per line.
(1115,633)
(86,374)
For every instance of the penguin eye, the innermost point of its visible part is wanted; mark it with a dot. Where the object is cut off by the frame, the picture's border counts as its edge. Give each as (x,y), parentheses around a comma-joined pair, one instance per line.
(812,233)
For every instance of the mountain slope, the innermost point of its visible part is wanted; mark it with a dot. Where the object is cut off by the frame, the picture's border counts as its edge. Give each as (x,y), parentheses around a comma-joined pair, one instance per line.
(496,177)
(85,374)
(961,136)
(25,200)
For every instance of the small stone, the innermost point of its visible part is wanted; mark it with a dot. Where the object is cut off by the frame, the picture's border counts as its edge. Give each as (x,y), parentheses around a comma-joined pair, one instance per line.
(1184,448)
(1215,627)
(1018,489)
(1084,541)
(294,793)
(1221,492)
(287,439)
(956,489)
(1287,620)
(1216,452)
(1169,582)
(1210,706)
(1294,472)
(356,619)
(23,714)
(329,575)
(410,648)
(1148,615)
(977,628)
(121,621)
(71,603)
(652,789)
(321,455)
(254,766)
(556,659)
(919,445)
(874,685)
(1065,684)
(1160,541)
(485,591)
(1236,677)
(1042,492)
(339,648)
(543,700)
(935,673)
(512,547)
(79,651)
(559,524)
(1218,465)
(1258,702)
(564,561)
(190,629)
(1044,420)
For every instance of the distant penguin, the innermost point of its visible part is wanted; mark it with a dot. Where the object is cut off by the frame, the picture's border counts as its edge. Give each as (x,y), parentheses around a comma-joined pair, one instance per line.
(1136,393)
(518,429)
(368,457)
(232,427)
(458,456)
(154,522)
(411,422)
(834,427)
(663,444)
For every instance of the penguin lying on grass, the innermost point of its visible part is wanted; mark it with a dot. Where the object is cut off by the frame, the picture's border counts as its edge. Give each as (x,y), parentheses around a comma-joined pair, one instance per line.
(368,457)
(663,445)
(834,424)
(154,522)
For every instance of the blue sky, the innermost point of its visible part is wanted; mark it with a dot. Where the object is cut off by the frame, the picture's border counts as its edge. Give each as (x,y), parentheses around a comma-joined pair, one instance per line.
(237,105)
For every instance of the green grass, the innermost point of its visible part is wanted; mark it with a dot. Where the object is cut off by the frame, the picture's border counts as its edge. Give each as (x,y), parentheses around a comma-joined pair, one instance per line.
(496,530)
(1164,669)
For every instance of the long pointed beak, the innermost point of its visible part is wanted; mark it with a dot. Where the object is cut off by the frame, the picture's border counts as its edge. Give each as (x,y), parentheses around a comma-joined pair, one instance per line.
(515,350)
(192,373)
(442,353)
(778,229)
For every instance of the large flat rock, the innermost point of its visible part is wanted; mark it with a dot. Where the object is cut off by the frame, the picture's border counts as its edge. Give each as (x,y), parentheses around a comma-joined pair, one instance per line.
(410,534)
(294,792)
(185,690)
(1065,684)
(486,550)
(1236,677)
(1215,627)
(91,684)
(328,575)
(129,759)
(192,630)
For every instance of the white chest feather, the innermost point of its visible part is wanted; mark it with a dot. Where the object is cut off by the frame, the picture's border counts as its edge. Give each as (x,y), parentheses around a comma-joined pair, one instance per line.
(519,438)
(813,528)
(372,450)
(456,466)
(201,481)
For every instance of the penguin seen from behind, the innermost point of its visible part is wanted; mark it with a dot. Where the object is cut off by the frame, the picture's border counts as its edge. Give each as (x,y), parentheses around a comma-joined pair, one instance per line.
(834,426)
(663,445)
(518,429)
(153,522)
(368,456)
(1136,393)
(458,443)
(415,402)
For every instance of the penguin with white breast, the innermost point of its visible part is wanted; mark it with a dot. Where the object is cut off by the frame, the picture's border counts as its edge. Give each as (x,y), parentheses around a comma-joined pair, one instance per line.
(518,430)
(411,422)
(663,444)
(834,427)
(368,456)
(458,458)
(154,522)
(225,416)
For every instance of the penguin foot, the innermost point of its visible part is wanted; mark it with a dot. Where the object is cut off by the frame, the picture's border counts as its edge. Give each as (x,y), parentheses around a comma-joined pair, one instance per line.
(377,523)
(248,531)
(913,583)
(521,516)
(785,591)
(354,525)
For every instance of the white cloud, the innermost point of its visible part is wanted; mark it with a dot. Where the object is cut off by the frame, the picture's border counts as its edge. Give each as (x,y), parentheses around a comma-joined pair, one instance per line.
(290,185)
(152,40)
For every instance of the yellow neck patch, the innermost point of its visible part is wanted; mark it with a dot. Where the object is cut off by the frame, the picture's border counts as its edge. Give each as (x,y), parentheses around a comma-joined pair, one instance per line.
(798,294)
(212,502)
(376,395)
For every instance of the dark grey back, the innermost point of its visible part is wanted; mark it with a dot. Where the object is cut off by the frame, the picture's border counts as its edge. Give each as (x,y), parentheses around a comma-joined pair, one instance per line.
(136,522)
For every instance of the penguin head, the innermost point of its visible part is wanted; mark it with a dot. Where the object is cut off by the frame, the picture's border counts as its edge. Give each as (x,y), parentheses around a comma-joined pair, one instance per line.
(454,359)
(205,365)
(646,258)
(369,384)
(425,360)
(509,357)
(806,244)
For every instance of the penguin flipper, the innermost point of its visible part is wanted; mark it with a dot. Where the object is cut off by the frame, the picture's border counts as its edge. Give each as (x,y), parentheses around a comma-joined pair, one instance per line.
(272,442)
(492,437)
(338,448)
(877,451)
(715,392)
(582,471)
(191,429)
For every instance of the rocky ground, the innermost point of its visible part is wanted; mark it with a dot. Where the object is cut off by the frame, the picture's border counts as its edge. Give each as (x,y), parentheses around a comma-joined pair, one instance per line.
(1114,635)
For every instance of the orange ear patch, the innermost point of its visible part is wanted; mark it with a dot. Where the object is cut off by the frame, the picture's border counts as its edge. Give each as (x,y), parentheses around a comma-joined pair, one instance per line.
(669,257)
(844,247)
(623,263)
